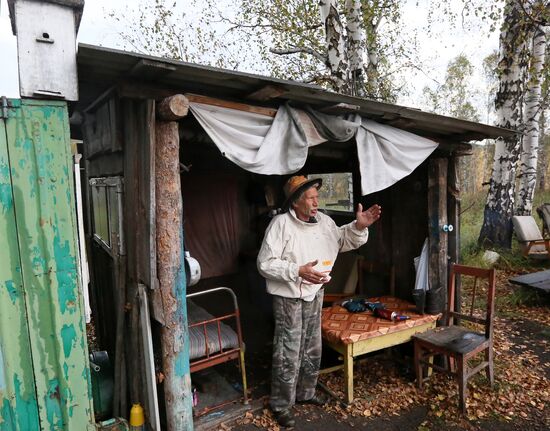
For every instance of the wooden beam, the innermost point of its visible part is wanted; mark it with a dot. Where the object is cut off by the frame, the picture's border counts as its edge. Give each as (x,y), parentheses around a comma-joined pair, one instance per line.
(173,108)
(438,239)
(150,69)
(137,90)
(196,98)
(453,210)
(267,93)
(339,108)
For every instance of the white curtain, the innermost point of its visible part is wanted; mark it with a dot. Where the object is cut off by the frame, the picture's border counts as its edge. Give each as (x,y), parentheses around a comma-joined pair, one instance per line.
(259,143)
(279,145)
(387,154)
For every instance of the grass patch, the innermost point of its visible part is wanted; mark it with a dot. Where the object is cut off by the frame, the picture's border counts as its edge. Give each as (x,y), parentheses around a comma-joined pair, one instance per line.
(519,296)
(472,207)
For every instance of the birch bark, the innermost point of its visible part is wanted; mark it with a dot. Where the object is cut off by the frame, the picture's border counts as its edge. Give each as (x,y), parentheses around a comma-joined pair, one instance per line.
(533,108)
(543,156)
(336,44)
(512,67)
(355,44)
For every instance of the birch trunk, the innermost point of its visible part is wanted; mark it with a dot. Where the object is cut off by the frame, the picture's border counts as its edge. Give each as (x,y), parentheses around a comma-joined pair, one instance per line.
(533,102)
(497,221)
(336,45)
(355,43)
(543,156)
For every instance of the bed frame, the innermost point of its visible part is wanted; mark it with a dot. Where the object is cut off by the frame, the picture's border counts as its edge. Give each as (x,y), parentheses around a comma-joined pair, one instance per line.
(220,355)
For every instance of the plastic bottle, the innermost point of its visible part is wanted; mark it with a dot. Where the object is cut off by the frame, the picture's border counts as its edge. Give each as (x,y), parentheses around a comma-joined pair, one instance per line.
(384,313)
(137,419)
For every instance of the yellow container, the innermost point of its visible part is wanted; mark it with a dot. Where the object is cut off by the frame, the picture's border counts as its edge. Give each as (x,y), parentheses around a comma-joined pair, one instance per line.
(136,417)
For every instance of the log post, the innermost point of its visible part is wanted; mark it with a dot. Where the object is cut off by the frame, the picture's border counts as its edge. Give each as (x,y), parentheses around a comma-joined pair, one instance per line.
(173,108)
(171,272)
(438,239)
(453,207)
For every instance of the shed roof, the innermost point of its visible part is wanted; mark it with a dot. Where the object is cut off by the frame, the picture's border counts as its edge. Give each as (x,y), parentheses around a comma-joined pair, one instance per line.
(100,68)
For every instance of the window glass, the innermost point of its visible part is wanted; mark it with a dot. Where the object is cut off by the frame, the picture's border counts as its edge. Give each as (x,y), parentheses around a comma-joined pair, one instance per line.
(100,208)
(336,194)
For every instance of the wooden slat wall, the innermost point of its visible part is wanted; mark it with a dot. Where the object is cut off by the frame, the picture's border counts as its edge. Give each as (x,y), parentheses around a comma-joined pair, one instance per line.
(137,131)
(409,227)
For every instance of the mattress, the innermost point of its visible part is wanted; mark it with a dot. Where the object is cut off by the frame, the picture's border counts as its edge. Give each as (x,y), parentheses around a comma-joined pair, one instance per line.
(197,339)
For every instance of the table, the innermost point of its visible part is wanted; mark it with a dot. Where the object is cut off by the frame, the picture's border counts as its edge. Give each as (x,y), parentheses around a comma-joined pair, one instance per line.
(354,334)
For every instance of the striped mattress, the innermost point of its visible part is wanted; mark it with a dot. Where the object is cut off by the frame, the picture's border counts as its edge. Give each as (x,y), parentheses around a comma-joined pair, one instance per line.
(197,339)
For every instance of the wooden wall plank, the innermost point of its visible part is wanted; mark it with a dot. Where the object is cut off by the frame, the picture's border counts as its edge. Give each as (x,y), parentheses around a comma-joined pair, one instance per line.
(437,218)
(453,208)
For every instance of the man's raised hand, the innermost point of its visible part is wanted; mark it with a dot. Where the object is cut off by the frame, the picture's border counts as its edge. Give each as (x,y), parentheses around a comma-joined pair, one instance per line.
(365,218)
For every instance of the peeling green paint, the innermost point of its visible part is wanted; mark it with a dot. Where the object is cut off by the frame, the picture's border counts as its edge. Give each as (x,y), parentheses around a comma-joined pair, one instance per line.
(45,347)
(68,335)
(22,414)
(12,290)
(52,402)
(66,278)
(6,200)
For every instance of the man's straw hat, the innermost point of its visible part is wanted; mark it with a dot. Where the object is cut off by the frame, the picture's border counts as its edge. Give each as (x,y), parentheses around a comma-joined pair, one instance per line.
(296,185)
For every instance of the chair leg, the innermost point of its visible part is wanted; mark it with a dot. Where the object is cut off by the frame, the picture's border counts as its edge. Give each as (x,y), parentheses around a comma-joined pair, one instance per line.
(462,384)
(417,364)
(490,367)
(452,364)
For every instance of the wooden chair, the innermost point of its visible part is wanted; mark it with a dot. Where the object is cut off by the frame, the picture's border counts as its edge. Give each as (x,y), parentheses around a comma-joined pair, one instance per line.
(458,343)
(544,213)
(530,239)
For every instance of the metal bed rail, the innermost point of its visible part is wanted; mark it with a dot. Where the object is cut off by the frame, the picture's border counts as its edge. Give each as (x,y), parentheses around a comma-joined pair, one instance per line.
(218,357)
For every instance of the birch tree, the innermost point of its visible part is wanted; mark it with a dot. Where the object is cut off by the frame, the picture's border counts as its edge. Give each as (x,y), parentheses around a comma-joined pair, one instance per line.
(355,45)
(376,48)
(515,43)
(533,104)
(352,46)
(336,53)
(512,68)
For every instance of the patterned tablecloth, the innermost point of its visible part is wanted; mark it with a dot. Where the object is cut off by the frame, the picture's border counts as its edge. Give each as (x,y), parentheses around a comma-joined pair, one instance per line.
(340,326)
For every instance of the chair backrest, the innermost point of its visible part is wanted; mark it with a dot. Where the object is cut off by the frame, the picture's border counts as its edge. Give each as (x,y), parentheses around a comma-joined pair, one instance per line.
(527,230)
(375,268)
(469,307)
(544,213)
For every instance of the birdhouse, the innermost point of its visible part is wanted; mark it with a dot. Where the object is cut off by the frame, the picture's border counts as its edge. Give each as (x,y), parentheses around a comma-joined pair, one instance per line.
(46,46)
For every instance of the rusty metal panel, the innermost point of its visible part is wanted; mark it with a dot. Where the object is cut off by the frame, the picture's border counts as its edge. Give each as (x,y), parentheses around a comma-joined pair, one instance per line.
(45,224)
(18,404)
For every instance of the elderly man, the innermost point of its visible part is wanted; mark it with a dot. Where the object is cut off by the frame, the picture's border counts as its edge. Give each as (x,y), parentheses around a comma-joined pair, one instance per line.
(297,254)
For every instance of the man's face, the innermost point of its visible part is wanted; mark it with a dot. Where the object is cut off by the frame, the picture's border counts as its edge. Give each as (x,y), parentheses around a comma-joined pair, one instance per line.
(306,206)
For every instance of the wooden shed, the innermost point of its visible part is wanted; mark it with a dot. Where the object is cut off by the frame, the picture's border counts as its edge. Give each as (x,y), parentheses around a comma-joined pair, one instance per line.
(124,115)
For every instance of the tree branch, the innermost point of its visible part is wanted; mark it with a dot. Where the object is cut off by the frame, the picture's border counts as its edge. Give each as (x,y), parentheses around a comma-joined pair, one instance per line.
(295,50)
(540,17)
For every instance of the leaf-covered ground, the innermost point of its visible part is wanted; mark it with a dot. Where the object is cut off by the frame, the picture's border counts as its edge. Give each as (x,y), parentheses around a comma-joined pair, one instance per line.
(387,398)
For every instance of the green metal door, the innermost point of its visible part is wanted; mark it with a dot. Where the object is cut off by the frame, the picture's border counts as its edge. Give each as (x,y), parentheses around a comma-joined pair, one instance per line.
(44,372)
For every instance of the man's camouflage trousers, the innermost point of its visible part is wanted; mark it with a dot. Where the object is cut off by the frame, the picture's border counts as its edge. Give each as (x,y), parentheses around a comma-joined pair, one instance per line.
(296,350)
